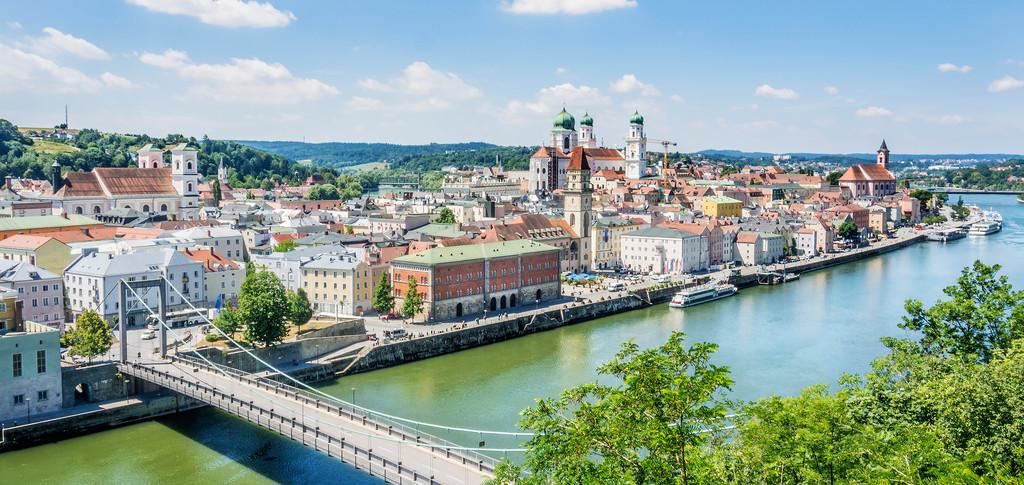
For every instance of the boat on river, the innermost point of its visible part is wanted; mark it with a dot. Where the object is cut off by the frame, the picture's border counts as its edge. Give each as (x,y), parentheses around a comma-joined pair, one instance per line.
(695,296)
(1020,198)
(984,228)
(947,235)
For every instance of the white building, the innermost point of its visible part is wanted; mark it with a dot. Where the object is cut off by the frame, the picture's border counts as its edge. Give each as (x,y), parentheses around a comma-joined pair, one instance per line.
(30,378)
(91,282)
(287,266)
(663,251)
(225,240)
(151,188)
(222,277)
(806,242)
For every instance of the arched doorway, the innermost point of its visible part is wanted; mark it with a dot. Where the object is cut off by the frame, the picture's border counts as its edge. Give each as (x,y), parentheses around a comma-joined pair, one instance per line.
(359,310)
(145,207)
(96,209)
(512,301)
(82,393)
(494,304)
(458,310)
(504,302)
(540,294)
(78,210)
(163,207)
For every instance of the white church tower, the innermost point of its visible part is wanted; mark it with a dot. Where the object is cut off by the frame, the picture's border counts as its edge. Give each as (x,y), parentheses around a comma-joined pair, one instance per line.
(587,138)
(151,157)
(563,132)
(185,177)
(636,147)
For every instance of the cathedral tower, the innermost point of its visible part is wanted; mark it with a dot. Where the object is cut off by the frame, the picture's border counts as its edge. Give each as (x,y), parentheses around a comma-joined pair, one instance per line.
(563,132)
(587,139)
(579,203)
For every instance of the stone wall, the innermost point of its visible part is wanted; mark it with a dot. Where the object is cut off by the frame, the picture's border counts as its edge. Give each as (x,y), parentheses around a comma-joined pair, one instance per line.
(290,353)
(345,326)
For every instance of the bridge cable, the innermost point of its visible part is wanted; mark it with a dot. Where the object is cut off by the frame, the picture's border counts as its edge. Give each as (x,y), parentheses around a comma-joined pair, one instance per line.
(343,430)
(335,398)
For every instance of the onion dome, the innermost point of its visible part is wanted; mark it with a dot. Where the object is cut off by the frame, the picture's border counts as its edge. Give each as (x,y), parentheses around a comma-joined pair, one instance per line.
(637,118)
(565,121)
(587,120)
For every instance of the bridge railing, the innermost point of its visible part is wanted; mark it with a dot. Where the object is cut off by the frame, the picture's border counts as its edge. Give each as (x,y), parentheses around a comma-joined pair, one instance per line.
(320,441)
(354,414)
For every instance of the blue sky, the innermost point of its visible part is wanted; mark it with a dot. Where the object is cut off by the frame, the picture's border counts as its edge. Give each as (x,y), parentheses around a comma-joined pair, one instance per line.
(780,76)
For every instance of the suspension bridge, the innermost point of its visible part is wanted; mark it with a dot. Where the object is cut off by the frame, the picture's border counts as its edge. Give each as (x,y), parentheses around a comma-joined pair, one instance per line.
(393,448)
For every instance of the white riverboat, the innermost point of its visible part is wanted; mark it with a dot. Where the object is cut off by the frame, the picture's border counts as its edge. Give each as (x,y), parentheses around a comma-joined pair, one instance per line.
(695,296)
(984,228)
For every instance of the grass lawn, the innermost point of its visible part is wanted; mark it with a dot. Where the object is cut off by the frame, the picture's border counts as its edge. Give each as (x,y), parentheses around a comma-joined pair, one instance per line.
(46,146)
(366,167)
(291,334)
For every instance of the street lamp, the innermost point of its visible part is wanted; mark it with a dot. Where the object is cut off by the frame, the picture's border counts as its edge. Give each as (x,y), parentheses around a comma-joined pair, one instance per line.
(28,408)
(353,396)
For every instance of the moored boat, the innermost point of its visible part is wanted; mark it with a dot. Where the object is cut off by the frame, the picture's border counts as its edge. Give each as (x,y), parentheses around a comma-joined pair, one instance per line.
(695,296)
(984,228)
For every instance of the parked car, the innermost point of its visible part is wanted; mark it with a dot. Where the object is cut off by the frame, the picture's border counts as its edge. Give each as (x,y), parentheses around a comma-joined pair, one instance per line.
(149,334)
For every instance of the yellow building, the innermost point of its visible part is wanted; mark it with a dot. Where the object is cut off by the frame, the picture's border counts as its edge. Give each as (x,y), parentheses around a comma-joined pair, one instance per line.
(721,206)
(606,246)
(10,317)
(43,251)
(338,283)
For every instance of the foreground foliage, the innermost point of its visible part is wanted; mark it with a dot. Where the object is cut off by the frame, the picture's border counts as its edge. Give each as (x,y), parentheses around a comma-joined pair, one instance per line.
(944,407)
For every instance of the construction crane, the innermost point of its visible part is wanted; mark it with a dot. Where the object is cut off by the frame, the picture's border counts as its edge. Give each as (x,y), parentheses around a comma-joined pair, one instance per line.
(664,161)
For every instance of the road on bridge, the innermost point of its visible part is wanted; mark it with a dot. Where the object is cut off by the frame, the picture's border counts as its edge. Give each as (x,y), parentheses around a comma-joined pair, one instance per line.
(389,450)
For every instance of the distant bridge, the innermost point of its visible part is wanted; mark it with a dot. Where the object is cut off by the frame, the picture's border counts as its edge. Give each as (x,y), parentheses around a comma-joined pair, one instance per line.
(957,190)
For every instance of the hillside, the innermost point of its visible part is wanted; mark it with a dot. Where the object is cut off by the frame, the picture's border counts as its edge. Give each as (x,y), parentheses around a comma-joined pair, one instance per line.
(21,156)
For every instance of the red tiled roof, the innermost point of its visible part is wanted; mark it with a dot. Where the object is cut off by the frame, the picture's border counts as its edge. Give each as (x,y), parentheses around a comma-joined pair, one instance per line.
(866,171)
(578,160)
(24,241)
(210,258)
(603,153)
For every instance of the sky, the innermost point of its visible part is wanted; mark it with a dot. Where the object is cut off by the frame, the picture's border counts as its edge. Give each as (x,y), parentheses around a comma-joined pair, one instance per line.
(780,76)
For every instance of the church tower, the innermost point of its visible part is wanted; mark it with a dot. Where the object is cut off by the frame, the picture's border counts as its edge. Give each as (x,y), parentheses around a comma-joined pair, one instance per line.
(636,147)
(883,155)
(587,139)
(151,157)
(563,132)
(578,206)
(185,178)
(222,173)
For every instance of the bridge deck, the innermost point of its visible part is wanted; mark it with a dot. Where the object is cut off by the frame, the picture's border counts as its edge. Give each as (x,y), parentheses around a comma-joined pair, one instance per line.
(393,452)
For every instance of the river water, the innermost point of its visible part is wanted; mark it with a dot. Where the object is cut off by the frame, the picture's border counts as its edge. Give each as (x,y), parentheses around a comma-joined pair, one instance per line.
(776,340)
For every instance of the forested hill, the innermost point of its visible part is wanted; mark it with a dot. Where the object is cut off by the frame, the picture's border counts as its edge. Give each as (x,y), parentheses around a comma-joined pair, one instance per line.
(21,156)
(1008,176)
(405,157)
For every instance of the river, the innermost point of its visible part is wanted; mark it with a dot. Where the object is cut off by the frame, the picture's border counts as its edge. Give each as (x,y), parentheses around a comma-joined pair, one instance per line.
(776,340)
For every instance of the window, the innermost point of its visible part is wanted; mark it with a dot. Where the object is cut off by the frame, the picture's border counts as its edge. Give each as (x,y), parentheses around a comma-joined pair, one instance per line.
(41,361)
(16,365)
(19,399)
(42,395)
(35,302)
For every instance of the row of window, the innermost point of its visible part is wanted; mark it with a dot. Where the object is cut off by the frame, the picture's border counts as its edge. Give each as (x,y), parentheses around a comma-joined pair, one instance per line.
(16,363)
(41,396)
(34,289)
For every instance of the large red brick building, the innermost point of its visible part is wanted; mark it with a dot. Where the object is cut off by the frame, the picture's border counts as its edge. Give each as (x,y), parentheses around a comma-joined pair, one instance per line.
(473,278)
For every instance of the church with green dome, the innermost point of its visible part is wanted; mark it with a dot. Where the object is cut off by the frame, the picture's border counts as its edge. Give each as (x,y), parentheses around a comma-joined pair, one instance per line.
(548,165)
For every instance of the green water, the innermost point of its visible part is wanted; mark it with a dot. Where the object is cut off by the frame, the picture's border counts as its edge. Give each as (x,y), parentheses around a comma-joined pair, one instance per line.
(775,339)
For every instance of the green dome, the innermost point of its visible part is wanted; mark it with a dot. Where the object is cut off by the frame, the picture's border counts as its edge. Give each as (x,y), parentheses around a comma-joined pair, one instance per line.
(587,120)
(637,118)
(565,121)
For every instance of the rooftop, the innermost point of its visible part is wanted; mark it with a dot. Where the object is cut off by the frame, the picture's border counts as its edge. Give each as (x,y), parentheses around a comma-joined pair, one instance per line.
(473,252)
(44,222)
(661,232)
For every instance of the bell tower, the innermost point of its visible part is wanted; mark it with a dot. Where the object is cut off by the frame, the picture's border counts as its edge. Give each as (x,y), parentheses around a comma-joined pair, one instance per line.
(883,155)
(579,202)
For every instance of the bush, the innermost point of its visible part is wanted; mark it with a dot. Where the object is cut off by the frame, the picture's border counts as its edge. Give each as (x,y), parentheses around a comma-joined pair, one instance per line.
(212,337)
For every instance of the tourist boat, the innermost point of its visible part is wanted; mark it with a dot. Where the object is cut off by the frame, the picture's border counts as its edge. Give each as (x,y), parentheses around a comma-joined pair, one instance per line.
(984,228)
(947,235)
(991,215)
(696,296)
(1020,198)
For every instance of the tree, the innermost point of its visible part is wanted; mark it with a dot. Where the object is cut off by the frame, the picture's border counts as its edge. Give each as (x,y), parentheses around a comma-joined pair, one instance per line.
(215,190)
(982,315)
(445,216)
(648,427)
(833,178)
(323,192)
(285,246)
(960,211)
(263,307)
(228,321)
(300,310)
(383,298)
(848,230)
(413,303)
(922,195)
(91,336)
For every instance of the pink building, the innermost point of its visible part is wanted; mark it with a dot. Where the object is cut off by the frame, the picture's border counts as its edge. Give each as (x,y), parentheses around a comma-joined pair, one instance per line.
(40,291)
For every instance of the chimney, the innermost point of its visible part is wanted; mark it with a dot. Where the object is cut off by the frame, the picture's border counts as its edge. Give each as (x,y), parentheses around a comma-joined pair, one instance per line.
(7,182)
(85,230)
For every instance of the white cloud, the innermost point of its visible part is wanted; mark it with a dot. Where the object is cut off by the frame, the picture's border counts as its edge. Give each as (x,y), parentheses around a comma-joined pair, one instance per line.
(630,84)
(550,99)
(114,81)
(424,88)
(873,112)
(14,25)
(26,71)
(832,90)
(677,98)
(241,80)
(222,13)
(950,120)
(561,71)
(758,125)
(1005,83)
(361,103)
(948,67)
(777,93)
(1015,62)
(571,7)
(57,42)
